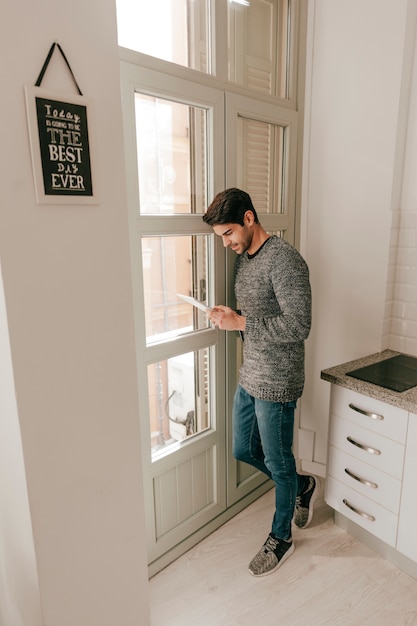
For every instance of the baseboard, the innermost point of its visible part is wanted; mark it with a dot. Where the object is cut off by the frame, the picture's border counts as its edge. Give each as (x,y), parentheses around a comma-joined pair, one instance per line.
(391,554)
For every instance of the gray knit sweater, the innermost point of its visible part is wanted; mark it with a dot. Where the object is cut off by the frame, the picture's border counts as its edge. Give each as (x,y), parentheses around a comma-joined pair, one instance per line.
(273,292)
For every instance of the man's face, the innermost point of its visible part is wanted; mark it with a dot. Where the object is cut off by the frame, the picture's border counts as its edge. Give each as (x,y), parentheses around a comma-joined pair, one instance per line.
(235,236)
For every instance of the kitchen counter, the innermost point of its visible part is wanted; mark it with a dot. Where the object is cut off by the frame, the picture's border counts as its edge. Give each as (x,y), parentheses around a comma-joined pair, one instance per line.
(383,516)
(337,375)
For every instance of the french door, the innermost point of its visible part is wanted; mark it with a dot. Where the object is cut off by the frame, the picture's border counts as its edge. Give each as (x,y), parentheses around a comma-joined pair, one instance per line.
(182,145)
(261,154)
(174,149)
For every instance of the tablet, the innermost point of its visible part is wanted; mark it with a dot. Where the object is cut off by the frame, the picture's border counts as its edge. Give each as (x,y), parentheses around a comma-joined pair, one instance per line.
(194,302)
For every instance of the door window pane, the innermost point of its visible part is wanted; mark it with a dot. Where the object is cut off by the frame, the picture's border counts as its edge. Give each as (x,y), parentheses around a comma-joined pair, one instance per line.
(258,45)
(171,151)
(178,399)
(261,163)
(171,266)
(172,30)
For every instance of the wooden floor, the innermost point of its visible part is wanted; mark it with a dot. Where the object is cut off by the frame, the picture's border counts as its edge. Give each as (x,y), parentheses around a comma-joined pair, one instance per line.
(331,579)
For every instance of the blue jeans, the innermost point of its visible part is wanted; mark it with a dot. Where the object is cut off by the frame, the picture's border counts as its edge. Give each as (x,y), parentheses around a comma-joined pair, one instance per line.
(263,437)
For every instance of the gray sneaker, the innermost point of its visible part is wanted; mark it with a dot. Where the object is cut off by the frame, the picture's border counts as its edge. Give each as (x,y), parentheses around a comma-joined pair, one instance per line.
(303,512)
(272,554)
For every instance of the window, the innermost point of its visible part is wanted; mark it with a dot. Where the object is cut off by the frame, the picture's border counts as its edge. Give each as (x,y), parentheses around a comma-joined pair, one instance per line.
(259,33)
(258,40)
(173,144)
(171,266)
(178,399)
(173,30)
(172,154)
(261,149)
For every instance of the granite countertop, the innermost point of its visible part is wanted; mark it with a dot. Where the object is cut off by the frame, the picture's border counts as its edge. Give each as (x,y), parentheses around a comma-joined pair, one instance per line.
(337,375)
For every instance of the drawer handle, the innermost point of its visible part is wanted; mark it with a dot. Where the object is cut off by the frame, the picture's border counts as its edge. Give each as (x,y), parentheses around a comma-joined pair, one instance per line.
(362,447)
(367,483)
(374,416)
(371,518)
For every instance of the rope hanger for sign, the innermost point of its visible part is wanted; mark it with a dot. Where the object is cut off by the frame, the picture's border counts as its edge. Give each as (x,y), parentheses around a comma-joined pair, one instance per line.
(45,66)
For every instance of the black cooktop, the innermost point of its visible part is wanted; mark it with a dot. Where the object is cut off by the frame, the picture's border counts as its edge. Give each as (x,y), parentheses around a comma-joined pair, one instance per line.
(398,373)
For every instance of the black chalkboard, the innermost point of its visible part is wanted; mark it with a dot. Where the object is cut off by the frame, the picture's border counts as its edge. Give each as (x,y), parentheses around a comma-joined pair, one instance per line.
(64,148)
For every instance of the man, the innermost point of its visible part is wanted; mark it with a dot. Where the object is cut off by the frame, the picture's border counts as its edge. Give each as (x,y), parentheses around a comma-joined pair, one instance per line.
(273,291)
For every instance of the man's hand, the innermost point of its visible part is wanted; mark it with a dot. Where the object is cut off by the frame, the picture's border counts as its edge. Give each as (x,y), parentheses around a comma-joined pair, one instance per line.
(226,318)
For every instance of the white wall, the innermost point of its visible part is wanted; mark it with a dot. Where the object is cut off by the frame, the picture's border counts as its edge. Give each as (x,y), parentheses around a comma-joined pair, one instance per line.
(354,143)
(19,589)
(402,307)
(67,286)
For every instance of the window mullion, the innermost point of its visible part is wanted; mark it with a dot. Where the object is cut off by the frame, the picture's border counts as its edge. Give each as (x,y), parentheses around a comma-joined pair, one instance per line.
(220,39)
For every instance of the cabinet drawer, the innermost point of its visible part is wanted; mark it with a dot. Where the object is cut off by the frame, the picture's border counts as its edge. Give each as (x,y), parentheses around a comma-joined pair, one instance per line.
(367,446)
(384,419)
(365,513)
(365,479)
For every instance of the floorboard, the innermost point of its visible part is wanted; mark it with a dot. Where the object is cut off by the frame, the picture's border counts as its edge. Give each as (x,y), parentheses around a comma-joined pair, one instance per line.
(331,579)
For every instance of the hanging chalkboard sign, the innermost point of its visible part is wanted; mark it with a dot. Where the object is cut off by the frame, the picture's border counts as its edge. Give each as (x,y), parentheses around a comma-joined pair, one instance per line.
(60,139)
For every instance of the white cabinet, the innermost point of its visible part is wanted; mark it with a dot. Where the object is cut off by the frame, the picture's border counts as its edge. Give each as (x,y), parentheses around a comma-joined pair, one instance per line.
(407,535)
(367,443)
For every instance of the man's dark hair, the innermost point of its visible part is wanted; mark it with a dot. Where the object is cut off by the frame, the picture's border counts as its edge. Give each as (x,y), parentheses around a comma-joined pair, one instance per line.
(229,207)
